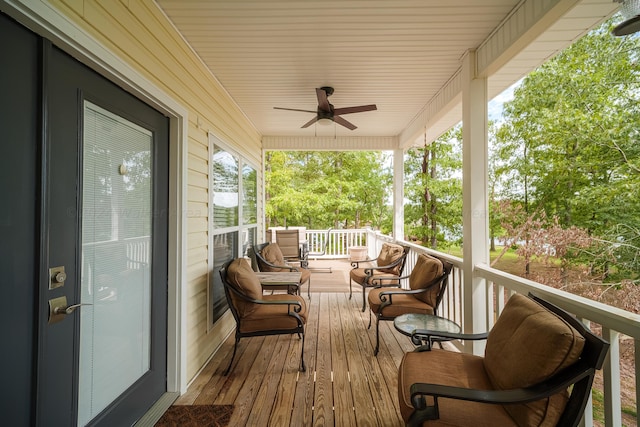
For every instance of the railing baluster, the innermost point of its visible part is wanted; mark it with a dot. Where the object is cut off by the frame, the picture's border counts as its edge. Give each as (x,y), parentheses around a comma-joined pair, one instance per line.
(587,417)
(611,376)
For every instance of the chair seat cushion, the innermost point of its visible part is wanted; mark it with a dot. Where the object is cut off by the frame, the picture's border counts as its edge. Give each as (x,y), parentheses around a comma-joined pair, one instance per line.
(454,369)
(273,317)
(401,304)
(527,345)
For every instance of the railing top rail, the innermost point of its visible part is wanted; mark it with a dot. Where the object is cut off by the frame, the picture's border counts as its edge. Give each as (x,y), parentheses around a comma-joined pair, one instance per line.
(610,317)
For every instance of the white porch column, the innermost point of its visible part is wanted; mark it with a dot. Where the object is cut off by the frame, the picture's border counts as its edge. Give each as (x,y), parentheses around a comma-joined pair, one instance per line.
(398,194)
(474,198)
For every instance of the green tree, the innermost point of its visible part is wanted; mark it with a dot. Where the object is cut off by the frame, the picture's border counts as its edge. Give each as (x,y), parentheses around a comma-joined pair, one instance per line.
(327,189)
(433,189)
(572,130)
(569,145)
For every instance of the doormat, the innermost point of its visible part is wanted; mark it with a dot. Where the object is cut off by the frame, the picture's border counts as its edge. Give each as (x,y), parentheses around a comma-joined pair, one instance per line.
(196,416)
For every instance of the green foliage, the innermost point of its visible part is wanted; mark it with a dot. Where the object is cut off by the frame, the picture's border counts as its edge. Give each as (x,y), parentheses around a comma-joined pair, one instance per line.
(569,145)
(433,191)
(328,189)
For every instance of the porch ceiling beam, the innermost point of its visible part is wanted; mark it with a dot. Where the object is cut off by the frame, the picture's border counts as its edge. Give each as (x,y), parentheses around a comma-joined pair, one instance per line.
(329,143)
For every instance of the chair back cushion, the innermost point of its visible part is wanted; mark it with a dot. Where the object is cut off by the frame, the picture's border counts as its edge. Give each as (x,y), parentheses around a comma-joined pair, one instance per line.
(389,254)
(273,255)
(244,279)
(426,270)
(527,345)
(288,242)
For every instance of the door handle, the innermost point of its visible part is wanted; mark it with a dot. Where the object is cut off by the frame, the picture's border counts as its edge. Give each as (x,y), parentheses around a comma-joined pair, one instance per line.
(68,310)
(58,309)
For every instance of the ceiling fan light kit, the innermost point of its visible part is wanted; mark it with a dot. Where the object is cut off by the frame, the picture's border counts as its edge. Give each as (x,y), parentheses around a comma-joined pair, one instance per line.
(630,11)
(326,111)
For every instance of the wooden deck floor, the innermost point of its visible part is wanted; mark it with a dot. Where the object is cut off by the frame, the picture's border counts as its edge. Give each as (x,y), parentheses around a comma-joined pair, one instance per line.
(344,385)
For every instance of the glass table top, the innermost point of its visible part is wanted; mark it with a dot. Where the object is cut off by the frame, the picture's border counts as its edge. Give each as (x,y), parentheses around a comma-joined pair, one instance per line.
(407,323)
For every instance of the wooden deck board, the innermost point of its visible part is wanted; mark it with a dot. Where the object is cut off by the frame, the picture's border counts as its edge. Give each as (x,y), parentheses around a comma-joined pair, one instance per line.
(344,399)
(344,384)
(323,393)
(305,386)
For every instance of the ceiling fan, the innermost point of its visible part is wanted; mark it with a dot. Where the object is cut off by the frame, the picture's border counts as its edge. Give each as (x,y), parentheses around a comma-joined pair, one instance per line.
(630,11)
(326,110)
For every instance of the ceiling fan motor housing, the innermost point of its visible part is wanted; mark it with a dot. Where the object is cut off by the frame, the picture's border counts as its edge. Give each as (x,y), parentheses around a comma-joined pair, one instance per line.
(328,90)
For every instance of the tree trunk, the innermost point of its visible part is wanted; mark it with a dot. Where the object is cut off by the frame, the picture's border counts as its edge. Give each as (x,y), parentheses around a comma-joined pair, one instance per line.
(434,206)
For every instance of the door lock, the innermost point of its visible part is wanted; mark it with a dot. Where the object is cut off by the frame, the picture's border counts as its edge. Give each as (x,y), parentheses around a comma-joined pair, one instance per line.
(58,309)
(57,276)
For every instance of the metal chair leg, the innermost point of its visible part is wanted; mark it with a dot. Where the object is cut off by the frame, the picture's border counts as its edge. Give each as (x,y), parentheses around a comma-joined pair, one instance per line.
(350,290)
(375,351)
(235,347)
(364,298)
(303,368)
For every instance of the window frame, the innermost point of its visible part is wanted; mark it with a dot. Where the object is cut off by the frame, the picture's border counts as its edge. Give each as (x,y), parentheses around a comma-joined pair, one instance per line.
(240,229)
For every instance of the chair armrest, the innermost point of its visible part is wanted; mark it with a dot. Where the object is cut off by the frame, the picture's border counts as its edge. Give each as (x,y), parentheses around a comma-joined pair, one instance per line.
(420,335)
(369,270)
(383,295)
(291,268)
(356,264)
(551,386)
(393,264)
(268,286)
(297,306)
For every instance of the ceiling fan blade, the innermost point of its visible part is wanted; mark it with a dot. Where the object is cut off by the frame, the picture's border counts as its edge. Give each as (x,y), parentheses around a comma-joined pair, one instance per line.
(310,122)
(323,102)
(294,109)
(359,109)
(339,120)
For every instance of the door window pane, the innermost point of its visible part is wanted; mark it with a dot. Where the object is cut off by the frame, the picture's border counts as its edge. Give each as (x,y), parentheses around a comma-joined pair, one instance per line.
(115,275)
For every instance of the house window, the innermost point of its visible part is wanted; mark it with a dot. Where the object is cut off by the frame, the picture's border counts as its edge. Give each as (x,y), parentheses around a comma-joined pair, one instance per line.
(234,202)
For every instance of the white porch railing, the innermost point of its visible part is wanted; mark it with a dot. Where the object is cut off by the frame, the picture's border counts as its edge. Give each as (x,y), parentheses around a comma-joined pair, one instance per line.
(615,323)
(340,241)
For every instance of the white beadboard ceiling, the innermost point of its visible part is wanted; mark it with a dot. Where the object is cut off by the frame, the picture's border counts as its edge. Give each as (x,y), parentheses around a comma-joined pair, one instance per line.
(401,55)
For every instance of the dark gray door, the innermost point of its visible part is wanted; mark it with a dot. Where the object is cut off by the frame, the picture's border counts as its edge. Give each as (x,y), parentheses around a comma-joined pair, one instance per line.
(105,198)
(19,110)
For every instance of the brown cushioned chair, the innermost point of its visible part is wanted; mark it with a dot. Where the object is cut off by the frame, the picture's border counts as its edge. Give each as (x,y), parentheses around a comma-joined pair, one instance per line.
(257,314)
(537,370)
(386,270)
(427,283)
(270,259)
(293,250)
